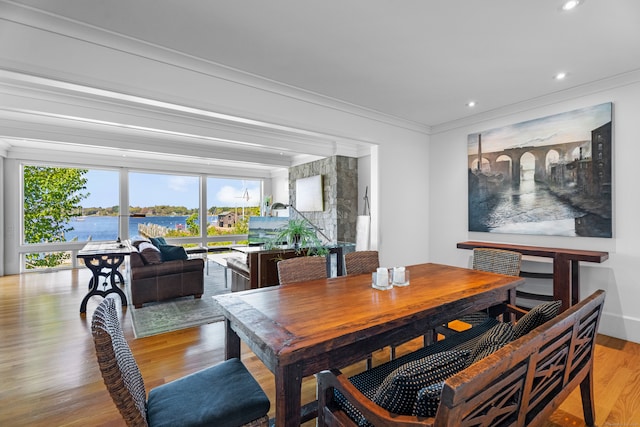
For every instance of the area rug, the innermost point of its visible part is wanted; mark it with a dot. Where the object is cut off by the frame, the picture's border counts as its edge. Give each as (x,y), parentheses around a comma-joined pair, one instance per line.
(181,313)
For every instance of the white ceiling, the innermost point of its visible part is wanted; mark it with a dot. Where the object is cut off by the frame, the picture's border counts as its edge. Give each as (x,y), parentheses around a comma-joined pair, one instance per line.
(420,60)
(417,60)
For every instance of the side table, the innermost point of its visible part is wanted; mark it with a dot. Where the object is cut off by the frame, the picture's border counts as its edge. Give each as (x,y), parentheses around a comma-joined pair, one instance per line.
(104,259)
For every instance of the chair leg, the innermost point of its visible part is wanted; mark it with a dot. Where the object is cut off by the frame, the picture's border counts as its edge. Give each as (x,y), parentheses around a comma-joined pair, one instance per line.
(586,392)
(369,362)
(393,352)
(430,338)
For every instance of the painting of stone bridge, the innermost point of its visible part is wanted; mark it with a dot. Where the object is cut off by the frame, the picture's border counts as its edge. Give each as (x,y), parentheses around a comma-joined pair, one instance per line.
(547,176)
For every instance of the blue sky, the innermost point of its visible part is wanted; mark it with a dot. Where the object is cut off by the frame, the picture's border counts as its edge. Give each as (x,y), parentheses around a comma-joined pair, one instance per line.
(147,189)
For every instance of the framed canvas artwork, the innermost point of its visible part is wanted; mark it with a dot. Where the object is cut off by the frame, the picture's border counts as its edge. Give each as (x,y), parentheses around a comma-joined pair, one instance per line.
(309,194)
(547,176)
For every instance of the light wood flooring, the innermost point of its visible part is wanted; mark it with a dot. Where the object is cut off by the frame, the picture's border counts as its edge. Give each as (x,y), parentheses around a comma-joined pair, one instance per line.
(49,375)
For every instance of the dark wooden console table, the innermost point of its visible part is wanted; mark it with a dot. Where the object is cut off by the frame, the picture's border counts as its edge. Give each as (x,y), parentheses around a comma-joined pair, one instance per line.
(566,266)
(262,262)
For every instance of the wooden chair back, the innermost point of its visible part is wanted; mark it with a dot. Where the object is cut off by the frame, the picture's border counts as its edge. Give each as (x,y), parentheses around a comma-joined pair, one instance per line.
(302,269)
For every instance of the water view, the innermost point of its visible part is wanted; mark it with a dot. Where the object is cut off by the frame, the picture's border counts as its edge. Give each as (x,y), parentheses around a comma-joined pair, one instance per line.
(106,227)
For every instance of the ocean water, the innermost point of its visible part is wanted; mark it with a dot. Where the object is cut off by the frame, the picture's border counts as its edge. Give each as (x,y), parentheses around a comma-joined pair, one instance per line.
(106,227)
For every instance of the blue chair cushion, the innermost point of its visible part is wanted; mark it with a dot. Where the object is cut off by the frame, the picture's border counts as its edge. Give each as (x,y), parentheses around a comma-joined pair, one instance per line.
(224,395)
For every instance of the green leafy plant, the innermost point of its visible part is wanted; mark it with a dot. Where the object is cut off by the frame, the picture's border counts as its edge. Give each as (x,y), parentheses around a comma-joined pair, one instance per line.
(298,233)
(51,197)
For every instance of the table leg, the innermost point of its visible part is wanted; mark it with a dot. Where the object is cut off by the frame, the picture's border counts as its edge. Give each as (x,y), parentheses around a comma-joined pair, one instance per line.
(96,265)
(562,285)
(288,395)
(231,342)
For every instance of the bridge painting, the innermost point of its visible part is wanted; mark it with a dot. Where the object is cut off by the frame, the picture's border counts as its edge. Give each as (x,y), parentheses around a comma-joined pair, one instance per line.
(549,176)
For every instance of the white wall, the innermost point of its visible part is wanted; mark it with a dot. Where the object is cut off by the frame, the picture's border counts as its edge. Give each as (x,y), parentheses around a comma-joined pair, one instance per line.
(619,275)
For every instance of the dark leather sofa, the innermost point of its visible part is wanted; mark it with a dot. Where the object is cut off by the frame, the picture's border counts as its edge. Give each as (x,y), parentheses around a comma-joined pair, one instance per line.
(166,280)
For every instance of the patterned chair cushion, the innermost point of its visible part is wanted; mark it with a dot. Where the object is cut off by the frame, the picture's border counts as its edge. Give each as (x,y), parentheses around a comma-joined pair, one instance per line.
(369,381)
(538,315)
(399,391)
(428,400)
(492,340)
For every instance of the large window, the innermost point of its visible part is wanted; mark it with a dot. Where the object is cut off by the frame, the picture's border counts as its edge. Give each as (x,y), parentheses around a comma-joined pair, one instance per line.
(65,207)
(163,205)
(230,203)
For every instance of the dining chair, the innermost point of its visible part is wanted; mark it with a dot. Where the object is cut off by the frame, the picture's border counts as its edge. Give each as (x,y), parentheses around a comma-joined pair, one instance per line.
(365,262)
(361,262)
(302,269)
(225,394)
(493,261)
(497,261)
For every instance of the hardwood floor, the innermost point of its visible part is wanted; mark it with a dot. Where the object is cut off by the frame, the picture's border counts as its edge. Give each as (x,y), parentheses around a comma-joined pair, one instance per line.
(49,374)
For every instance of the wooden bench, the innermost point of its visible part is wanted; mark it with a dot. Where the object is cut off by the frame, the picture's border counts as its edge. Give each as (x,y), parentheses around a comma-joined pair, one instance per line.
(519,385)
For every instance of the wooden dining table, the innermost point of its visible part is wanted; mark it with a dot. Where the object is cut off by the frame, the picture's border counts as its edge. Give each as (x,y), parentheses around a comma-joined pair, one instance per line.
(300,329)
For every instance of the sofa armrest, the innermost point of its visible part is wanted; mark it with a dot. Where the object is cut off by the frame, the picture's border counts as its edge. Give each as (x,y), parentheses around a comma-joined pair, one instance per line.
(135,259)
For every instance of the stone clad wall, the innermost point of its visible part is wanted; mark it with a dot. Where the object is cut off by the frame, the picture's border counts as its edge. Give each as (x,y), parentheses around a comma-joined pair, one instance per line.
(340,194)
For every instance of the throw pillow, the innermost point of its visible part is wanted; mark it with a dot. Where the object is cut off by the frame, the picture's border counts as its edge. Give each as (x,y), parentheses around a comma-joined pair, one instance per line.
(399,390)
(428,400)
(538,315)
(491,341)
(136,243)
(149,253)
(157,241)
(172,253)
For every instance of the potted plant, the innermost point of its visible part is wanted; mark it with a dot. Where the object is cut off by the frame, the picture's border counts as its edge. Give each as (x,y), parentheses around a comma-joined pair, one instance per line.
(298,234)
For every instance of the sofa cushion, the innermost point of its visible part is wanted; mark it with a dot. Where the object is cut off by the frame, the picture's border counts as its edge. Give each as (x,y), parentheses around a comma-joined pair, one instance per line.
(172,253)
(399,391)
(491,341)
(149,253)
(136,243)
(537,316)
(157,241)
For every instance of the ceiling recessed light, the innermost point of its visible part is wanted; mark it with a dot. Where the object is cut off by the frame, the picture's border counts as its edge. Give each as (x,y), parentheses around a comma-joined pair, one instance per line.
(471,104)
(571,4)
(560,76)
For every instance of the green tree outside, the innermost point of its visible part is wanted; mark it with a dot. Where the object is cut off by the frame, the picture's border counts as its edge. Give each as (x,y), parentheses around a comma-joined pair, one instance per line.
(193,224)
(51,197)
